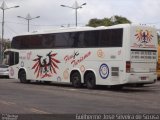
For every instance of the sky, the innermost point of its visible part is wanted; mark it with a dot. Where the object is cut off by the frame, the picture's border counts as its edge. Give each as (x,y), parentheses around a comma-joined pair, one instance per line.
(52,15)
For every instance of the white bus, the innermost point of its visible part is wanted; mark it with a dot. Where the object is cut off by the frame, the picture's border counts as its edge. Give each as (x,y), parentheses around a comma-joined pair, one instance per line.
(115,55)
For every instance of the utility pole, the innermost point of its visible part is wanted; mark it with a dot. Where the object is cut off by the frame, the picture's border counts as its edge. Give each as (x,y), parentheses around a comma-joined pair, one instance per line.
(75,7)
(3,8)
(28,18)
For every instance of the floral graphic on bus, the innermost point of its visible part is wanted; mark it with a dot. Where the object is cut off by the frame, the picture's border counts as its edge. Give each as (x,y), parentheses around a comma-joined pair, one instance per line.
(144,36)
(45,66)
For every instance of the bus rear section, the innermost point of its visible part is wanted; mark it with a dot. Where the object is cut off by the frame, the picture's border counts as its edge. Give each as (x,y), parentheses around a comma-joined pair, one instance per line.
(141,66)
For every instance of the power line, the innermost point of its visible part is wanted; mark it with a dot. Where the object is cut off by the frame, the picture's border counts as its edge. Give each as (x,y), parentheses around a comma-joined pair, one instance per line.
(30,24)
(37,24)
(11,29)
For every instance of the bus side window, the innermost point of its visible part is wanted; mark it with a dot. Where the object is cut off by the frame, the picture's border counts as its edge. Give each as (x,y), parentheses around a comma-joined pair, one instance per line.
(75,39)
(13,58)
(16,58)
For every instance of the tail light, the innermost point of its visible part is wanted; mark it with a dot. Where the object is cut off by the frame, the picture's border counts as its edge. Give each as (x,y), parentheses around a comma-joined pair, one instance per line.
(128,66)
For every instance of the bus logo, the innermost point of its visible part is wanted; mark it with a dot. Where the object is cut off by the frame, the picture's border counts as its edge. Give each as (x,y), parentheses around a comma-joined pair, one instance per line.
(144,36)
(104,71)
(45,66)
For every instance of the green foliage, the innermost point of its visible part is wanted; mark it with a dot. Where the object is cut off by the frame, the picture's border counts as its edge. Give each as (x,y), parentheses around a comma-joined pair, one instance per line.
(7,44)
(107,21)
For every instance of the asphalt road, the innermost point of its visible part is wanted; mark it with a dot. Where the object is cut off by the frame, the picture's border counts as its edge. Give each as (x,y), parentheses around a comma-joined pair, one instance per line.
(18,98)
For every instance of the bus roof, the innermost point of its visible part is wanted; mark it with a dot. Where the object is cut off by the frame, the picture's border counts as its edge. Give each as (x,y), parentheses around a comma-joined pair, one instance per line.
(76,29)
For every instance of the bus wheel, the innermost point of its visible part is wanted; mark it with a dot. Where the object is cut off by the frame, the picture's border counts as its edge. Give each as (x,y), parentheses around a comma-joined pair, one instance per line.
(76,79)
(22,76)
(90,80)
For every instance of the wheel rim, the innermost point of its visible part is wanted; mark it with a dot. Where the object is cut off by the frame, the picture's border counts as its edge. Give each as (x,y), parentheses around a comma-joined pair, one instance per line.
(23,77)
(76,80)
(90,81)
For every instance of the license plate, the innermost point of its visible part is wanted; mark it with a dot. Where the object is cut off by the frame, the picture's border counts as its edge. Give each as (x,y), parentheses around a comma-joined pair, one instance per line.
(143,78)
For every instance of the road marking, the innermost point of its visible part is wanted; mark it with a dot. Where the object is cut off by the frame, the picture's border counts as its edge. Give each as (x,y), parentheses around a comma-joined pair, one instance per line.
(72,89)
(7,103)
(68,89)
(38,111)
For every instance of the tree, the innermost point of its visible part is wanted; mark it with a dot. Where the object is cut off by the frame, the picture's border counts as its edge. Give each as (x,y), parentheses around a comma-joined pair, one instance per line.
(108,21)
(6,44)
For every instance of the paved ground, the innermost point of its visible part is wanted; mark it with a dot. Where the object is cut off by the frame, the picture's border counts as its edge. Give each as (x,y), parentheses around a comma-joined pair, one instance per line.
(34,98)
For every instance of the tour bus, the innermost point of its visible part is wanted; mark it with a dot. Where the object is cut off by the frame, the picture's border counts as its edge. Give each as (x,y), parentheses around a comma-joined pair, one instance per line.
(113,56)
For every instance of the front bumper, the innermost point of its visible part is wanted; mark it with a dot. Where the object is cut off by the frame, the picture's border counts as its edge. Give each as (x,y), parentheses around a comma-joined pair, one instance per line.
(4,73)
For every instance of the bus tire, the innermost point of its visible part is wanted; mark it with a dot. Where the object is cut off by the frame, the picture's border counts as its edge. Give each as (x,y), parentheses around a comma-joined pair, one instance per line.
(76,79)
(22,76)
(90,80)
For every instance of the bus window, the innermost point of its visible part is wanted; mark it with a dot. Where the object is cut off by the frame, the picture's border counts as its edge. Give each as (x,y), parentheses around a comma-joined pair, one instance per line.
(6,59)
(11,58)
(111,38)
